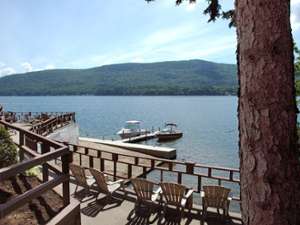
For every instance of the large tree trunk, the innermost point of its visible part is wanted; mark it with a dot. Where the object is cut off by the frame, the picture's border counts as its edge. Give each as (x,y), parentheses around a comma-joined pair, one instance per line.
(267,114)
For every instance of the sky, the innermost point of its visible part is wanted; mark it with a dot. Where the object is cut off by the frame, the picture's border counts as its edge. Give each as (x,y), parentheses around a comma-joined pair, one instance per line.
(49,34)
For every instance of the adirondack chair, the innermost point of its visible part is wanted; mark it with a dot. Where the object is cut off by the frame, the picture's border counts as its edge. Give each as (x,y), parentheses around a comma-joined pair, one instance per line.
(106,187)
(145,192)
(216,197)
(81,179)
(177,195)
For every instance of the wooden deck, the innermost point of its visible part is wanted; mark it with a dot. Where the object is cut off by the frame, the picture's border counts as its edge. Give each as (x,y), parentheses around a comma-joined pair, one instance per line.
(121,211)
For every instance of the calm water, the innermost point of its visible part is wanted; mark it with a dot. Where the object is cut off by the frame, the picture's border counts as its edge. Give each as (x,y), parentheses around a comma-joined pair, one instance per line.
(209,123)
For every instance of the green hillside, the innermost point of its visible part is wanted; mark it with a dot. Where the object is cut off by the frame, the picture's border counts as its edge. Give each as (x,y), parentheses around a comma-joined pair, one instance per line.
(192,77)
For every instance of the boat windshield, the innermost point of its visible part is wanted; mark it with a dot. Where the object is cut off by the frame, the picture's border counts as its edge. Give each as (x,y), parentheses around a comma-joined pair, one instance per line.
(169,128)
(132,126)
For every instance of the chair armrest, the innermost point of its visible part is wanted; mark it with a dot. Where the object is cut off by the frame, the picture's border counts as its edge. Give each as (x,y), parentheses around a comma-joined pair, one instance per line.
(202,194)
(189,193)
(230,197)
(158,191)
(115,182)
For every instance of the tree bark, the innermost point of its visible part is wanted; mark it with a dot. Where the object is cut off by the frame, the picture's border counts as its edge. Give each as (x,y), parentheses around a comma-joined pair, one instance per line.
(269,159)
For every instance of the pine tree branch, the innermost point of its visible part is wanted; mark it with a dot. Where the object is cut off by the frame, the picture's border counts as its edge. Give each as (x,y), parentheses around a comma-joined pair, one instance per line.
(214,10)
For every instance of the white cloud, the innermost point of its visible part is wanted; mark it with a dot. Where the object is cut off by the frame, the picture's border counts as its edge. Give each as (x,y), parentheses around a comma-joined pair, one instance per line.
(168,35)
(26,66)
(295,14)
(295,2)
(6,71)
(295,22)
(2,64)
(190,7)
(50,67)
(138,59)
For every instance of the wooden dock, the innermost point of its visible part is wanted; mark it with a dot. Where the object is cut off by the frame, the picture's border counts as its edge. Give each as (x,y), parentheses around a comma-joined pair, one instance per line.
(140,138)
(157,151)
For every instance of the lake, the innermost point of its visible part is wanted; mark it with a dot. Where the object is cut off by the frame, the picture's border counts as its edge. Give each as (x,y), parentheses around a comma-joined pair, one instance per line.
(209,123)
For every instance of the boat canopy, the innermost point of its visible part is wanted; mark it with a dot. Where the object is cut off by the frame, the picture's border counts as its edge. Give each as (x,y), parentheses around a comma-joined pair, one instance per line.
(171,124)
(133,122)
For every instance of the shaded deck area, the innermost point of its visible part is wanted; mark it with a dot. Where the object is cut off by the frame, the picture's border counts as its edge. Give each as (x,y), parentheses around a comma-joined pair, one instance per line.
(121,211)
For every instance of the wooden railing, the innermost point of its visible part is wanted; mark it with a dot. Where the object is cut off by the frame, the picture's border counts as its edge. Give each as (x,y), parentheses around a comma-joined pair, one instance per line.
(38,150)
(48,126)
(12,116)
(129,166)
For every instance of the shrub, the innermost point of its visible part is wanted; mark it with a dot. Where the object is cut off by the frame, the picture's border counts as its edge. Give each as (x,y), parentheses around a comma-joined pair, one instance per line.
(8,150)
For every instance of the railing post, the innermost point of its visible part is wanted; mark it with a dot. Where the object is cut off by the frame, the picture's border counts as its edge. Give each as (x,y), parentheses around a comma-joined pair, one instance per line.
(70,152)
(91,161)
(209,172)
(170,166)
(21,143)
(199,183)
(98,154)
(190,167)
(231,175)
(129,171)
(66,185)
(136,160)
(115,159)
(179,178)
(152,163)
(144,172)
(45,170)
(102,166)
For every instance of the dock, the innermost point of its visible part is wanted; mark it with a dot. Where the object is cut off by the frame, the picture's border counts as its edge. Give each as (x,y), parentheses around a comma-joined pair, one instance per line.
(157,151)
(140,138)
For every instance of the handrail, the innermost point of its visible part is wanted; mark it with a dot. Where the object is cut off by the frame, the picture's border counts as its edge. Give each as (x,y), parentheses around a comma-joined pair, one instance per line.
(160,159)
(38,137)
(47,126)
(149,163)
(21,199)
(10,171)
(29,143)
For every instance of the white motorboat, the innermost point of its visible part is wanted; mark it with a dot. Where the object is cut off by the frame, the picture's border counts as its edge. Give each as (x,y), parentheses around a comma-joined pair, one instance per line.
(131,129)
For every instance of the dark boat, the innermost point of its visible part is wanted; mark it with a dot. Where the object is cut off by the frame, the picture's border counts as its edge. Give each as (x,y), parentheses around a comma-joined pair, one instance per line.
(170,132)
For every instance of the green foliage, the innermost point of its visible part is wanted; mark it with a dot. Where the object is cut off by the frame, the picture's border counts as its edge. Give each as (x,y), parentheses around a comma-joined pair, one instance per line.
(192,77)
(8,150)
(34,171)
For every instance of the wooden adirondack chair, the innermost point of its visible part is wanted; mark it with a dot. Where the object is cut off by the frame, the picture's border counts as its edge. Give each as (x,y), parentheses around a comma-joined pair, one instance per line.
(216,197)
(106,187)
(145,192)
(81,179)
(177,195)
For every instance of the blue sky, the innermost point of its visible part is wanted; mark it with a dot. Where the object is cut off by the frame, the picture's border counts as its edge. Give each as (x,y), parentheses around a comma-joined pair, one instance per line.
(49,34)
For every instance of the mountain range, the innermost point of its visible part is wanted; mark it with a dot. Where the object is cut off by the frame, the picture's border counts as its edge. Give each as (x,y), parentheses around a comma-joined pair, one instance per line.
(188,77)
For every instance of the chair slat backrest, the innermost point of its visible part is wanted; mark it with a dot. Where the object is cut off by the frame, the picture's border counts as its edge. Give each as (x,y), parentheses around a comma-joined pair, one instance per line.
(173,193)
(215,196)
(100,180)
(79,174)
(143,188)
